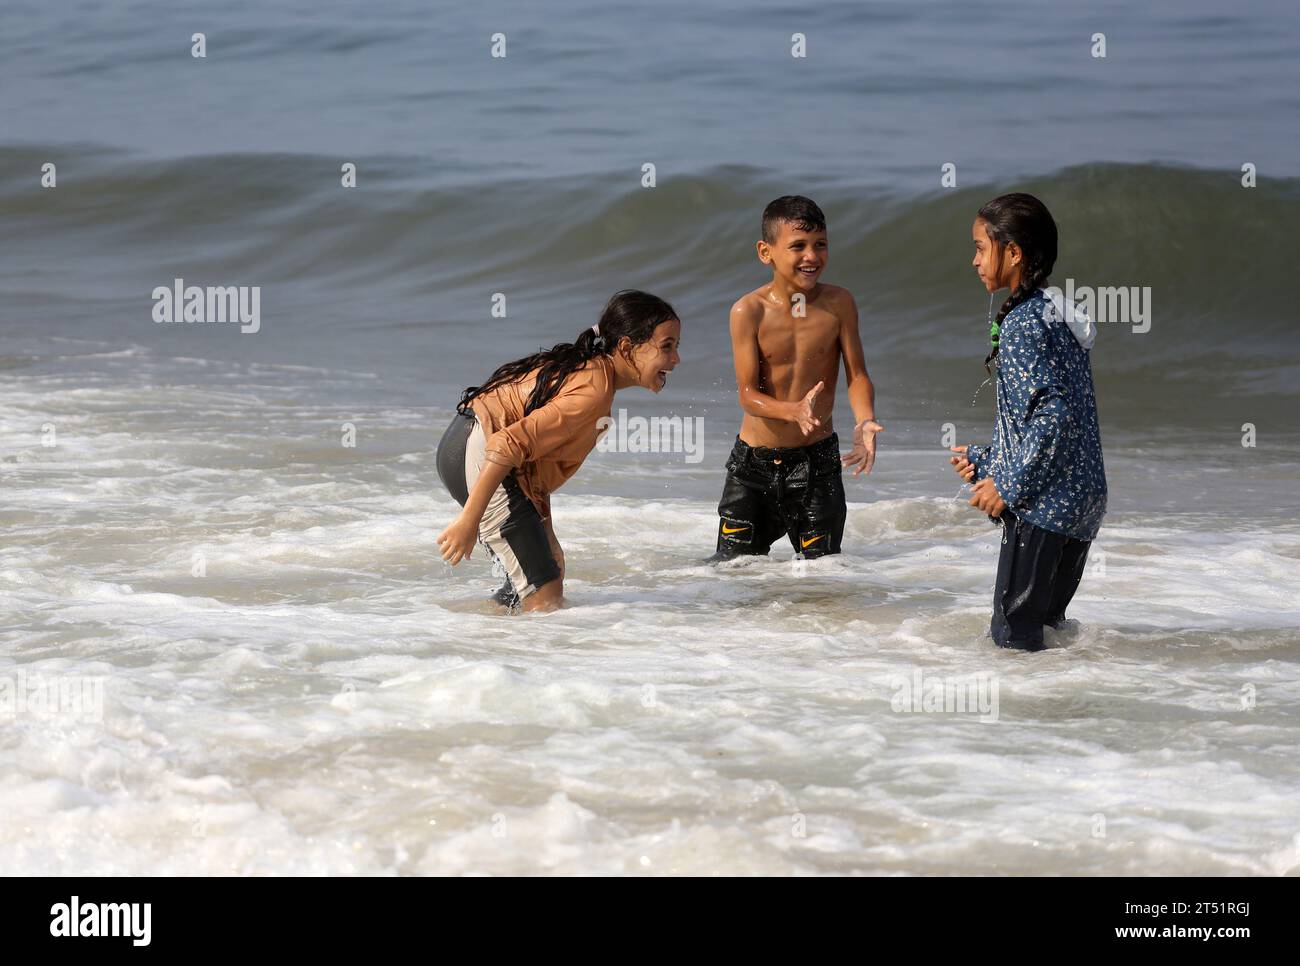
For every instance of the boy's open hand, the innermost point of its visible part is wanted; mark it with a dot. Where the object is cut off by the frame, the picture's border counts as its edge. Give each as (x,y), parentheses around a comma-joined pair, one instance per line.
(986,496)
(863,456)
(457,541)
(804,416)
(963,467)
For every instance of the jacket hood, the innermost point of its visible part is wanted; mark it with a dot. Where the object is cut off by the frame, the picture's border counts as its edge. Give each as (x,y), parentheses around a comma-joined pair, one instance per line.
(1075,316)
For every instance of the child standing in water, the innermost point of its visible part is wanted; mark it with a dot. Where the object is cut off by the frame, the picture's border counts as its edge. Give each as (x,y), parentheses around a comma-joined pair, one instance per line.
(1042,475)
(789,338)
(526,430)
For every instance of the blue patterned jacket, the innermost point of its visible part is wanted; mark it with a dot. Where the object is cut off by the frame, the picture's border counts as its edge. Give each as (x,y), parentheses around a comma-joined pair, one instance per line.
(1045,458)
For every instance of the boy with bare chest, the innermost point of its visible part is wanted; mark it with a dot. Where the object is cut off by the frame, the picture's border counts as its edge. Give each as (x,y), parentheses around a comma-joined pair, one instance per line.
(788,338)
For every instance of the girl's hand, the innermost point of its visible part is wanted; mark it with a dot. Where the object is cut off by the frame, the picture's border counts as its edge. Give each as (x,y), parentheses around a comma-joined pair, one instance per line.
(985,495)
(457,541)
(963,467)
(804,417)
(863,456)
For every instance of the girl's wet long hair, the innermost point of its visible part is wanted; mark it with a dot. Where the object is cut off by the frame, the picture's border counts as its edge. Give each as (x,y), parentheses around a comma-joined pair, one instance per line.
(1023,219)
(628,313)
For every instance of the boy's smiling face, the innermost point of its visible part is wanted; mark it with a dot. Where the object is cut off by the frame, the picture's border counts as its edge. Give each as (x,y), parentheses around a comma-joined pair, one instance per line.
(797,256)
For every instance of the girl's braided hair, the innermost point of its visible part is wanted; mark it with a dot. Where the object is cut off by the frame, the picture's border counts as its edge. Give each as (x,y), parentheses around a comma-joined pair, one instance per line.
(1023,219)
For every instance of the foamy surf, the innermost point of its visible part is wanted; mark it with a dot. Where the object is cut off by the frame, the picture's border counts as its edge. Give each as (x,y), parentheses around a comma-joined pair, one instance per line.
(322,695)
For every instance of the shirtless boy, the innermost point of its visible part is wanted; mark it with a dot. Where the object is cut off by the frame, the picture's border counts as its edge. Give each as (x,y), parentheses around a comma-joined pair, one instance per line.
(788,337)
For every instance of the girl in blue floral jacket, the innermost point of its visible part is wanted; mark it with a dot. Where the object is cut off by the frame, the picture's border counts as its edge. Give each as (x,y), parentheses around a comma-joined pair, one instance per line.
(1042,475)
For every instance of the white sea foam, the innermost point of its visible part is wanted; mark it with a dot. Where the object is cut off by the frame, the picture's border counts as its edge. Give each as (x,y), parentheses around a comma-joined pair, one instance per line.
(326,697)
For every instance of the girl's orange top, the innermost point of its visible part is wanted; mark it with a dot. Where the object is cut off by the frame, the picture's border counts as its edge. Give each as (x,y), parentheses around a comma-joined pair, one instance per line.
(547,446)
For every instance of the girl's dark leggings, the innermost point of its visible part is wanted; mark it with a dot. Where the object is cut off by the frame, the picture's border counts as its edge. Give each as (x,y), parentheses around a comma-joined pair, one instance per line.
(1038,573)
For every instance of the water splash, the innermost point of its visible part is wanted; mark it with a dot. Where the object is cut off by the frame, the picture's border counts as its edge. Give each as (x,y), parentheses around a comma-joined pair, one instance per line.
(990,378)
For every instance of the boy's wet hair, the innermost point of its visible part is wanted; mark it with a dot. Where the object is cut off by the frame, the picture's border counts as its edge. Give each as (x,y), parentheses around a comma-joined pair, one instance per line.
(799,211)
